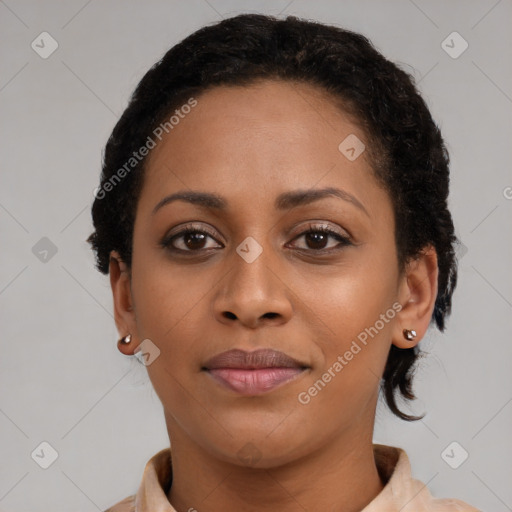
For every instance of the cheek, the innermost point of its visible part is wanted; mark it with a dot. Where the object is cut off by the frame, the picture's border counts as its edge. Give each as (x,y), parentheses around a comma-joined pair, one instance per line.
(167,301)
(355,309)
(164,296)
(352,298)
(358,316)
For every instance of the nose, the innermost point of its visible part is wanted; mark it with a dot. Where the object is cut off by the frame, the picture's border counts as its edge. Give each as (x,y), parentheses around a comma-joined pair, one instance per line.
(253,294)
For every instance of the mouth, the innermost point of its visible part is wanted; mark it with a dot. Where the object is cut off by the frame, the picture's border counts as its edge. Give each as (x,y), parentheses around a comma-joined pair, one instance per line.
(253,373)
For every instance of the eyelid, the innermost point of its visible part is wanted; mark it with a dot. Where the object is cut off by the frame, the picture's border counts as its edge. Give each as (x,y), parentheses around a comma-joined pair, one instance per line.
(192,225)
(314,225)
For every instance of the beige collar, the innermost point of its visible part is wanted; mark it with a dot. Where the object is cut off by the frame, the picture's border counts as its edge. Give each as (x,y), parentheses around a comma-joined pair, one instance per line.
(401,493)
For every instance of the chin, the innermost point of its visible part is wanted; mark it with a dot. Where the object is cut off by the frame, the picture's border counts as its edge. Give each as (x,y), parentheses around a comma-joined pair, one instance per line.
(256,448)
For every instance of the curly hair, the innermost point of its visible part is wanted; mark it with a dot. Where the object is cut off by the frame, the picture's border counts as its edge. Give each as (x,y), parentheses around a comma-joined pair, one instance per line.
(407,152)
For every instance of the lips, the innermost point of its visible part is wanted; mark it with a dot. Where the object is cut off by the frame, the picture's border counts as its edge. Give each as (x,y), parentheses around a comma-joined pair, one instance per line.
(253,373)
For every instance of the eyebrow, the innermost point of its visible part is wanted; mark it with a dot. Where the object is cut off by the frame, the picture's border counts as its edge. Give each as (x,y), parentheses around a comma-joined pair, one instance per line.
(285,201)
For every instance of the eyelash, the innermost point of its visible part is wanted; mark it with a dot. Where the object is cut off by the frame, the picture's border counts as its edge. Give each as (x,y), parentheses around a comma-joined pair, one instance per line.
(344,240)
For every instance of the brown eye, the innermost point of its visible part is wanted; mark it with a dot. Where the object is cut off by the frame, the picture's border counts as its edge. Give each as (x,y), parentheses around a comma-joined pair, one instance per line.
(317,238)
(188,240)
(193,240)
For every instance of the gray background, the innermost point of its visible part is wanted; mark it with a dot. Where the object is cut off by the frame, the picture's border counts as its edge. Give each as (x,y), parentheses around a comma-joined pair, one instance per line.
(62,379)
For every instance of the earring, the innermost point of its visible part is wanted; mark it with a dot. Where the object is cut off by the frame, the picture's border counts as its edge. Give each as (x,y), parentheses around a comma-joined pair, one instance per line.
(409,334)
(125,340)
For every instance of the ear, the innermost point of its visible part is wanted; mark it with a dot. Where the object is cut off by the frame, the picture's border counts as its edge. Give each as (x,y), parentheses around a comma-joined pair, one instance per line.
(417,295)
(124,314)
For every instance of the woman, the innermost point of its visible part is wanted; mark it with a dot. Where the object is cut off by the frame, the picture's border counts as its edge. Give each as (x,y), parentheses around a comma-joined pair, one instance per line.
(273,216)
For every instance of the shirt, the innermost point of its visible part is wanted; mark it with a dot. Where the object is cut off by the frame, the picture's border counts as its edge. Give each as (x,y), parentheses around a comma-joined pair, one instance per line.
(401,493)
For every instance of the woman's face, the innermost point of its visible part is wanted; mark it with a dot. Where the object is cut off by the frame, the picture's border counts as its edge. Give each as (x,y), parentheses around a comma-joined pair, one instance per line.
(251,277)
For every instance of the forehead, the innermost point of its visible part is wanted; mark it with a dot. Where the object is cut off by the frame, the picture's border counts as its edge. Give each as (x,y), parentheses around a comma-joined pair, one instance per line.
(259,140)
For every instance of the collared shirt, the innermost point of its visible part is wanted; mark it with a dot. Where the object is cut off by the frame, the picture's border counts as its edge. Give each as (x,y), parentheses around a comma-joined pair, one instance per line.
(401,492)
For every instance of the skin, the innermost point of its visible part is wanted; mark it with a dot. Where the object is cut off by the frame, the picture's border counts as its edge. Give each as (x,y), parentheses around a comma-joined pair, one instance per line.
(250,144)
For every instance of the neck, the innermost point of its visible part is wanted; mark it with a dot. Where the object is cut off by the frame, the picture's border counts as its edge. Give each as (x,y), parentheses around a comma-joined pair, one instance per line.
(340,476)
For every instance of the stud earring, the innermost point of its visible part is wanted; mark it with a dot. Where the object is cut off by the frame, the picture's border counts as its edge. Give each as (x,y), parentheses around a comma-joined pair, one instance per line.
(409,334)
(126,340)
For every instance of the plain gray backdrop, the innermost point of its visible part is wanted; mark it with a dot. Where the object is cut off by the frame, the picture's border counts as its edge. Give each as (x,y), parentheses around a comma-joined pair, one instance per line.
(62,379)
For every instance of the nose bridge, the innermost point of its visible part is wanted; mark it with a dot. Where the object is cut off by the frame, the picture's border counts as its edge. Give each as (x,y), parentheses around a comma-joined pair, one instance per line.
(252,288)
(252,273)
